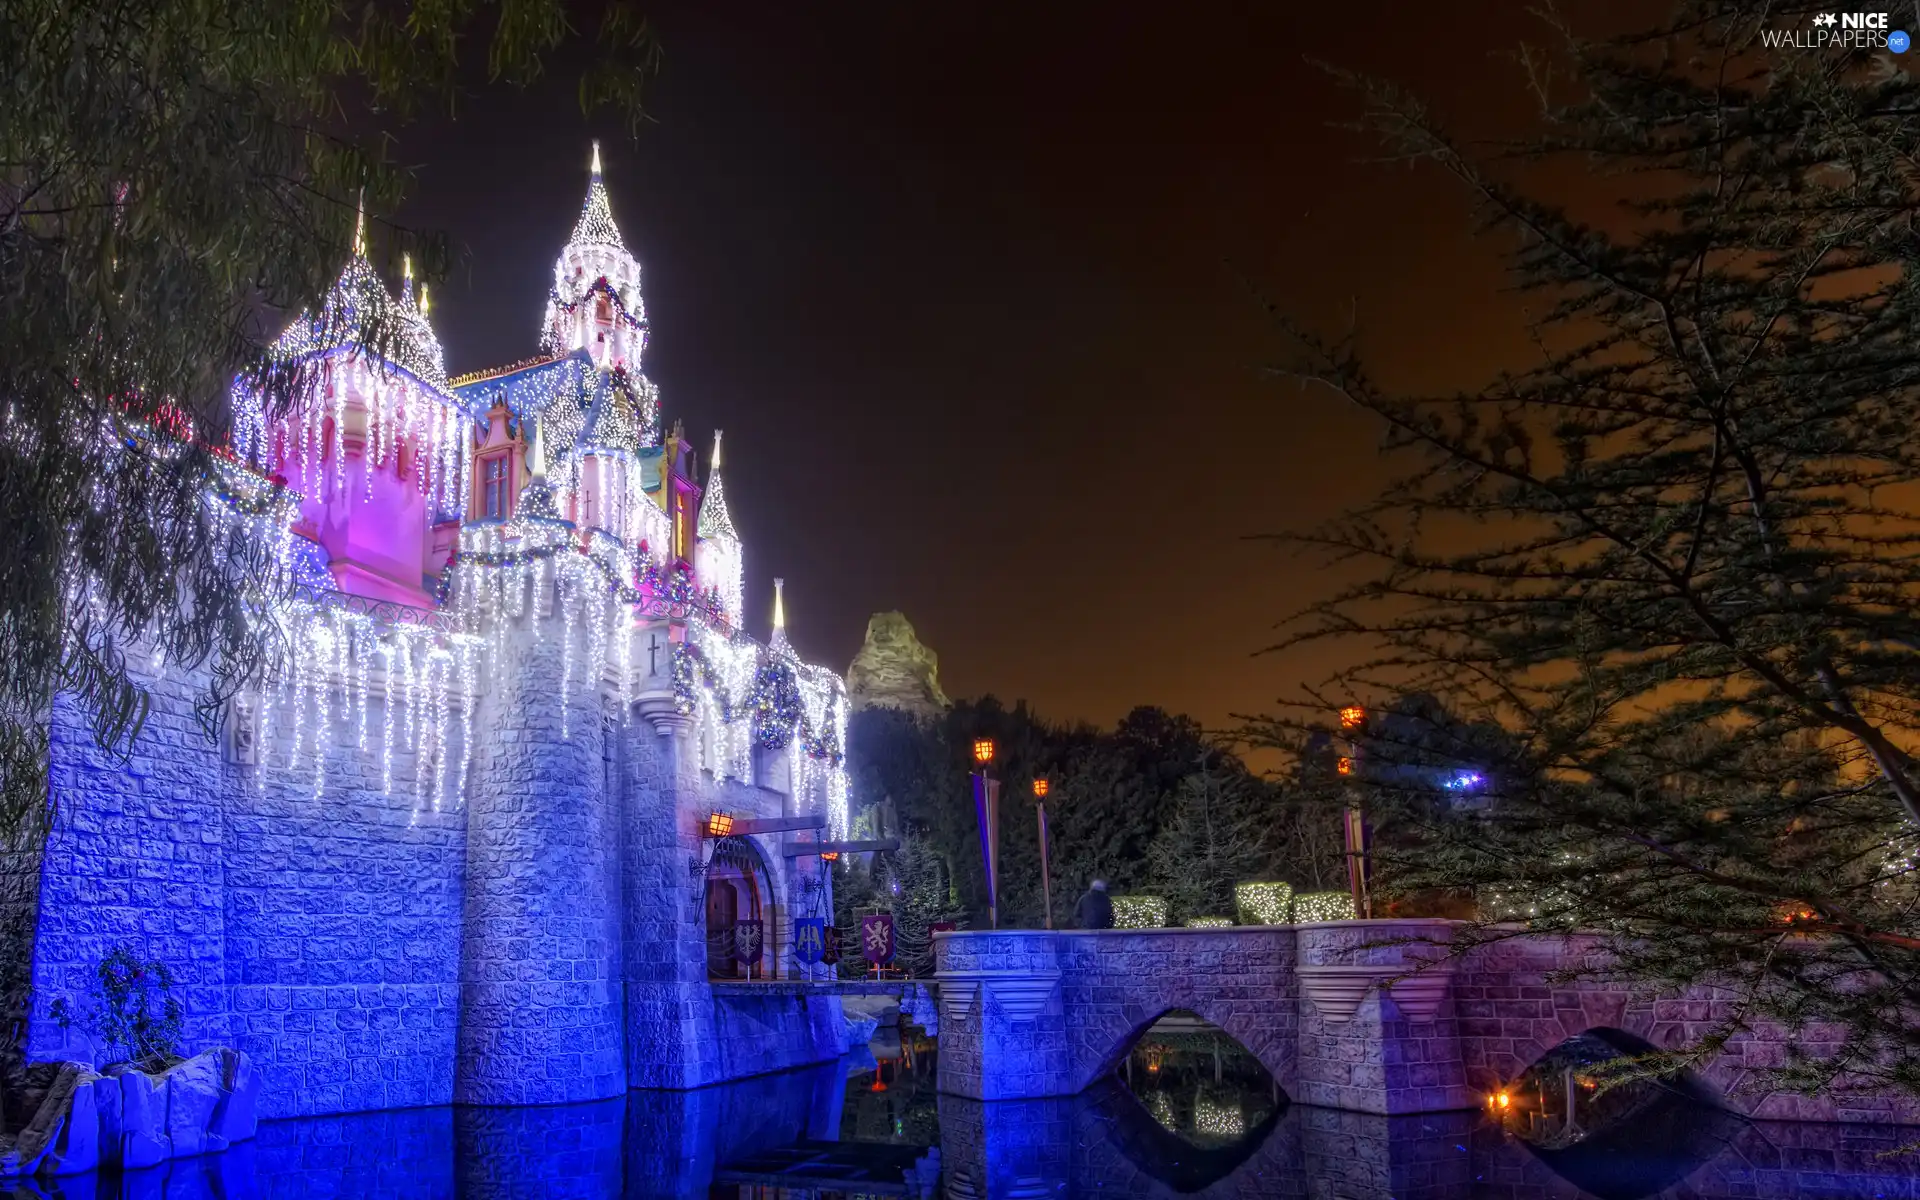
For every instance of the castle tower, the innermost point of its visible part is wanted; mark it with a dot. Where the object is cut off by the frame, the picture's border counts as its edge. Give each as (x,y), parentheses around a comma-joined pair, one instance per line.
(595,303)
(376,444)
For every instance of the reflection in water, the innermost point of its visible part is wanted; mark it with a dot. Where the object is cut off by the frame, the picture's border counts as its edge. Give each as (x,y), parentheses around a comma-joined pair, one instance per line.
(1198,1082)
(878,1127)
(1623,1142)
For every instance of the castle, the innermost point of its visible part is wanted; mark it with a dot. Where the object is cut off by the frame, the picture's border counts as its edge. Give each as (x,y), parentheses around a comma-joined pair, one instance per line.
(469,840)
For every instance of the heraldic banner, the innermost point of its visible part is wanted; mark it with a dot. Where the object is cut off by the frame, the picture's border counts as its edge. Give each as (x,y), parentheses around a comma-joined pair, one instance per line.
(876,939)
(810,939)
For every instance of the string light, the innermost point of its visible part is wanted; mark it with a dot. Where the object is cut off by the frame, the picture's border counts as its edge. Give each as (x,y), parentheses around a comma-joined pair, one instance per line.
(1139,912)
(1323,906)
(1263,903)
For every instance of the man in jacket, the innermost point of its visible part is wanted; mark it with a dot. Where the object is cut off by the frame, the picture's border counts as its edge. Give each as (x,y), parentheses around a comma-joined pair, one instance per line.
(1094,911)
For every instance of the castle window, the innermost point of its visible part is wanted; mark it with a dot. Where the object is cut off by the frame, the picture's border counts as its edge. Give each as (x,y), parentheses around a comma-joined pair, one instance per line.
(494,499)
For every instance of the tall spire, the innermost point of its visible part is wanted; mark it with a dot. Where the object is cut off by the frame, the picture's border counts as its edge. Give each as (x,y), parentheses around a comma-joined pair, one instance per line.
(596,226)
(360,226)
(779,605)
(716,523)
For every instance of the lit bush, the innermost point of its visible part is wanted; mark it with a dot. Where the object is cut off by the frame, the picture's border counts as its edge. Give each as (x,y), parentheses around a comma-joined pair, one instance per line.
(1139,912)
(1323,906)
(1263,903)
(1210,923)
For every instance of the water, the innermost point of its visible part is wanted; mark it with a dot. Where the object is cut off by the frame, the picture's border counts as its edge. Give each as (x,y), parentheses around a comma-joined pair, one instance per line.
(1196,1119)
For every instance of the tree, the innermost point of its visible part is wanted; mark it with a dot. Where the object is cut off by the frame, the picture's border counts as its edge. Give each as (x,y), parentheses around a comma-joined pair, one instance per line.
(922,897)
(1676,559)
(174,177)
(1218,832)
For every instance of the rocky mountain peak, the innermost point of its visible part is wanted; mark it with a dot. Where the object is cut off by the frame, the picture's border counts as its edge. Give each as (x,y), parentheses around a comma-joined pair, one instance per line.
(893,669)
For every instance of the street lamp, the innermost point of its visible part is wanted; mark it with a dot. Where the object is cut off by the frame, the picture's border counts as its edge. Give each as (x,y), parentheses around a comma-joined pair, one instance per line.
(986,810)
(1040,789)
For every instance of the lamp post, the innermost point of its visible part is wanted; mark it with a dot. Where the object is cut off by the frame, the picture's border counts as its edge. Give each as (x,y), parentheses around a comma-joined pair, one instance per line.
(1352,719)
(986,807)
(1040,789)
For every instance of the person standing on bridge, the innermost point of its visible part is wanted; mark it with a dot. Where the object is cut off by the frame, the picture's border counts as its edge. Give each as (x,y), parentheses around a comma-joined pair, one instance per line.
(1094,911)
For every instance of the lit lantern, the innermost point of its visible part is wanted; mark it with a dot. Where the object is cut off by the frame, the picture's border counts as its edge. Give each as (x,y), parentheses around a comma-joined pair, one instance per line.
(1503,1101)
(719,825)
(1344,766)
(1351,716)
(1040,789)
(983,750)
(829,856)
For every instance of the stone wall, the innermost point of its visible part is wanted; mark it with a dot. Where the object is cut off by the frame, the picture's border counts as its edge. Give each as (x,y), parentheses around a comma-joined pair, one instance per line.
(538,940)
(540,1019)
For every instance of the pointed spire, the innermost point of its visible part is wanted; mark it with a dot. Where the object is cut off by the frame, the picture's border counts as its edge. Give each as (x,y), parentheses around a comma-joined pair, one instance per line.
(360,226)
(779,605)
(423,299)
(715,521)
(596,227)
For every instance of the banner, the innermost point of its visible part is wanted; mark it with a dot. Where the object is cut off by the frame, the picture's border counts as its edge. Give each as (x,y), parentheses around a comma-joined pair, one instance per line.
(810,939)
(748,939)
(986,810)
(876,939)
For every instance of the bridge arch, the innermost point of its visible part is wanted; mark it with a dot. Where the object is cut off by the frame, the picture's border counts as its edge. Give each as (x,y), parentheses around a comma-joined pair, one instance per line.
(1108,1043)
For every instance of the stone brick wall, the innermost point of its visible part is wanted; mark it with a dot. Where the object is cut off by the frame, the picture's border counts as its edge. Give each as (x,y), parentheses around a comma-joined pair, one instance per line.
(540,1019)
(341,919)
(135,859)
(538,940)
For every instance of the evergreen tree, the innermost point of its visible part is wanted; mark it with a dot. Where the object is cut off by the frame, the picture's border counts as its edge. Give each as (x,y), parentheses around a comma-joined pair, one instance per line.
(1675,560)
(922,897)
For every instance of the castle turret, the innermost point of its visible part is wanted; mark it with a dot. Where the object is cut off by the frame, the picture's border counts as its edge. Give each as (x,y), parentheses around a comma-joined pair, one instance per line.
(718,561)
(595,303)
(375,442)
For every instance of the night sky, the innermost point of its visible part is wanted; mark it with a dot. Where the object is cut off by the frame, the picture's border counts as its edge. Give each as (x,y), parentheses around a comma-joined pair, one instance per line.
(964,289)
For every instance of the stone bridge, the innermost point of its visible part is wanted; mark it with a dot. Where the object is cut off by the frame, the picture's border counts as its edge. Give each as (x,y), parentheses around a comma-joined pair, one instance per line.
(1343,1015)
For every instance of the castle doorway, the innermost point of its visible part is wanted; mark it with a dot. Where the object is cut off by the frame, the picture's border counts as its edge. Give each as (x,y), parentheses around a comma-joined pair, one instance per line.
(739,913)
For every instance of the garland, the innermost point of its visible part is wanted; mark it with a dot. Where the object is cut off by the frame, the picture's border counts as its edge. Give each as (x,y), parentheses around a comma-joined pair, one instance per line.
(773,704)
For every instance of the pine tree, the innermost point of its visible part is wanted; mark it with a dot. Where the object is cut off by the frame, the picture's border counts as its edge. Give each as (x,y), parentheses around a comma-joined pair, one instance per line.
(922,897)
(1675,561)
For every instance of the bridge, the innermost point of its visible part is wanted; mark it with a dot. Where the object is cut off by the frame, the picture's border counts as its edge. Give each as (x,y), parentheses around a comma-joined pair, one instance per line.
(1365,1016)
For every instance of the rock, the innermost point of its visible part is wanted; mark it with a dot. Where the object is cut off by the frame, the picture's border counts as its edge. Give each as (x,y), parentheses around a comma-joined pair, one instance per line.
(918,1007)
(237,1118)
(893,670)
(38,1146)
(860,1030)
(194,1090)
(133,1131)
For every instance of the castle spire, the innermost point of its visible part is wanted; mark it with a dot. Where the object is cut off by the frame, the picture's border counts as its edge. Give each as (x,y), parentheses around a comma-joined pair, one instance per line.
(360,226)
(596,226)
(779,606)
(716,523)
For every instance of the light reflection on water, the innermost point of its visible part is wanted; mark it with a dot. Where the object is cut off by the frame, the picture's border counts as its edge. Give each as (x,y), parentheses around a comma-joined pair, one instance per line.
(875,1125)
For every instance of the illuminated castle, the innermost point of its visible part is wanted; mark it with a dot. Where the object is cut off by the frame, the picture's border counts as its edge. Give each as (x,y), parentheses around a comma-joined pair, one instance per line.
(458,845)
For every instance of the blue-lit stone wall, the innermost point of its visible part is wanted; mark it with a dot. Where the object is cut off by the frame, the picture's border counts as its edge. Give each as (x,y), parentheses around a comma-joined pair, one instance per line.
(542,941)
(539,996)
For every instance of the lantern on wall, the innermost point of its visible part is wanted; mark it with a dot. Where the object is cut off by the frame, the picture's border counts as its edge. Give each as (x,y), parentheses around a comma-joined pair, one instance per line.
(829,856)
(719,825)
(983,750)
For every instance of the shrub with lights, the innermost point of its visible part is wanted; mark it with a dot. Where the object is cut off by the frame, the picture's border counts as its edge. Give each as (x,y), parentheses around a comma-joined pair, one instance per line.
(1263,903)
(1139,912)
(1210,923)
(1323,906)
